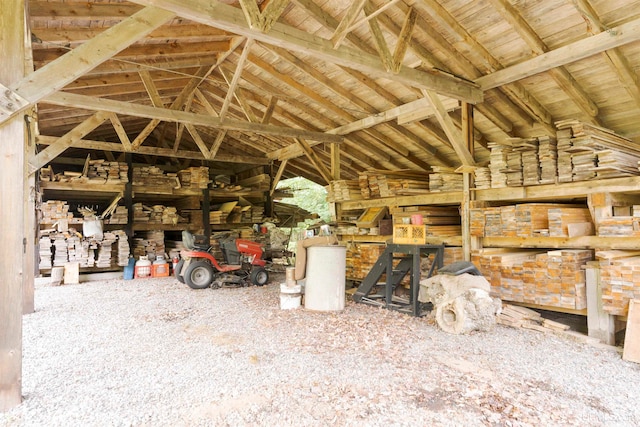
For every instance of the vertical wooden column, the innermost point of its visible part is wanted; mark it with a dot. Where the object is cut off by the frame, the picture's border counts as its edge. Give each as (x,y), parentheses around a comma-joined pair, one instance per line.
(30,225)
(334,208)
(206,208)
(467,181)
(12,185)
(128,196)
(600,324)
(268,203)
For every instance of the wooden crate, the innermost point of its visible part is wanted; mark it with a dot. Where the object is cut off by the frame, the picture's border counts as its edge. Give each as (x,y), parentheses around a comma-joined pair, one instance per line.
(406,234)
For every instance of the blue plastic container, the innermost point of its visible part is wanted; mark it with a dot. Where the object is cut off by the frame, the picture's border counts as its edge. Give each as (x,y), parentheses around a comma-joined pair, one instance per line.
(129,268)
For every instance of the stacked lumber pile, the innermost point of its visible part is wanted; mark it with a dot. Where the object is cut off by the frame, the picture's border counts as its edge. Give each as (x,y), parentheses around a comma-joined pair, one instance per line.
(530,220)
(153,176)
(54,210)
(119,216)
(151,244)
(60,254)
(81,250)
(387,183)
(439,221)
(102,171)
(619,279)
(104,252)
(342,190)
(218,217)
(141,213)
(482,177)
(522,317)
(194,177)
(173,248)
(548,159)
(445,179)
(586,152)
(361,258)
(521,161)
(257,214)
(514,168)
(123,247)
(619,226)
(44,247)
(553,278)
(498,164)
(260,182)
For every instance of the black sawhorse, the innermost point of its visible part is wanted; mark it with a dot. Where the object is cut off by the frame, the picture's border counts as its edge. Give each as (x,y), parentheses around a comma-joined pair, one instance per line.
(408,261)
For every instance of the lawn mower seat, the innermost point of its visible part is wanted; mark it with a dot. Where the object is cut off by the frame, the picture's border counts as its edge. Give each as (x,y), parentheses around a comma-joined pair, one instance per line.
(460,267)
(197,242)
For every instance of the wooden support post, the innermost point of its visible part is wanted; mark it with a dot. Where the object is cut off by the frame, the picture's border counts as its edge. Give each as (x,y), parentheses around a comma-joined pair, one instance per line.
(335,208)
(30,225)
(12,186)
(128,196)
(206,209)
(268,203)
(468,242)
(600,324)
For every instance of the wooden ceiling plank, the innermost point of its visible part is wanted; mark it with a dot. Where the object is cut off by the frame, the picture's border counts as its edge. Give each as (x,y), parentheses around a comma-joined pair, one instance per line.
(342,29)
(156,151)
(57,74)
(278,176)
(66,141)
(453,133)
(572,52)
(102,104)
(313,158)
(560,74)
(122,134)
(231,19)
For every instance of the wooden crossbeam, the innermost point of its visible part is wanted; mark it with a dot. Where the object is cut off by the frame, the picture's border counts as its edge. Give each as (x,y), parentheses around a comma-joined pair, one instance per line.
(122,134)
(314,159)
(343,27)
(163,114)
(278,176)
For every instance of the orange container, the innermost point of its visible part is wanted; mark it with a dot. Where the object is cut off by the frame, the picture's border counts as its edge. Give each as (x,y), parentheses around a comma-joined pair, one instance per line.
(160,270)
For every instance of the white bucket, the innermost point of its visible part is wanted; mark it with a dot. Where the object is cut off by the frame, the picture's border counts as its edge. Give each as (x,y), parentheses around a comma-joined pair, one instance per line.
(325,278)
(289,296)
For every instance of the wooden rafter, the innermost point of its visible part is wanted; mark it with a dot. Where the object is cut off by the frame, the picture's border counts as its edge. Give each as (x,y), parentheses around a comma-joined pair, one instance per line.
(122,134)
(262,20)
(235,81)
(278,176)
(231,19)
(268,113)
(315,160)
(60,72)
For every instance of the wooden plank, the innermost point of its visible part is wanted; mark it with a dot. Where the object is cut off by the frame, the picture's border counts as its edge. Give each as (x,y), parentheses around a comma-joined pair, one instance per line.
(12,189)
(600,324)
(58,73)
(631,350)
(231,19)
(344,26)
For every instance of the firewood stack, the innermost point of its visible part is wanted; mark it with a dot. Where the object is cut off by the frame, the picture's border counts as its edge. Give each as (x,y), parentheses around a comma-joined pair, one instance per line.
(522,317)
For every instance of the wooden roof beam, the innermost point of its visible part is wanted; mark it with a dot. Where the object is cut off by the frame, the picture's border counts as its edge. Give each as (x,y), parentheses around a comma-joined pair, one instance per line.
(231,19)
(57,74)
(615,37)
(163,114)
(614,57)
(560,74)
(154,151)
(344,27)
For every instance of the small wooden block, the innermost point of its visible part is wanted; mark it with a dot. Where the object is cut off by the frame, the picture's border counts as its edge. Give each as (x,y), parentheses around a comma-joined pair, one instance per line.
(632,335)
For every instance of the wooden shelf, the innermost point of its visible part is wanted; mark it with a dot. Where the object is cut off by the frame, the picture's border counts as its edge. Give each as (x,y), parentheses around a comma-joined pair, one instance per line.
(166,227)
(449,198)
(431,240)
(583,242)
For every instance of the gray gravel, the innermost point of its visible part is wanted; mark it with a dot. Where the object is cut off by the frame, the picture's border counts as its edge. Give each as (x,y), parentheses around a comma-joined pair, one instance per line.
(152,352)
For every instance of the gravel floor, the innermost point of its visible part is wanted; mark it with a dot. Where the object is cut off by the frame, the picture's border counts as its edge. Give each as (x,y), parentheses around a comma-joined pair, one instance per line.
(153,352)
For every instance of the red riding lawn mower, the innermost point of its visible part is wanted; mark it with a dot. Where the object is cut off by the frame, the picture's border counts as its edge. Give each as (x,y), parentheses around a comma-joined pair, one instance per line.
(199,269)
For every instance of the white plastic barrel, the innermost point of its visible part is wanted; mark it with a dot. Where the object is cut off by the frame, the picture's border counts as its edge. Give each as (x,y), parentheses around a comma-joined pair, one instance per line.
(325,278)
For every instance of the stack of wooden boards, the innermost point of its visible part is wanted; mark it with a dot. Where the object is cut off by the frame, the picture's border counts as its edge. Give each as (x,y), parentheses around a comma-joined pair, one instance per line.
(72,247)
(522,317)
(150,243)
(531,219)
(194,177)
(581,152)
(119,216)
(445,179)
(94,172)
(547,278)
(153,176)
(619,279)
(342,190)
(53,211)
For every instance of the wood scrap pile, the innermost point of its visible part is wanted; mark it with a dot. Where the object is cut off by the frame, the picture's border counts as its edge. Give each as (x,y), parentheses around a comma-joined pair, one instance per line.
(586,152)
(104,252)
(81,250)
(445,179)
(522,317)
(150,243)
(531,219)
(194,177)
(153,176)
(160,214)
(619,279)
(55,210)
(553,278)
(71,246)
